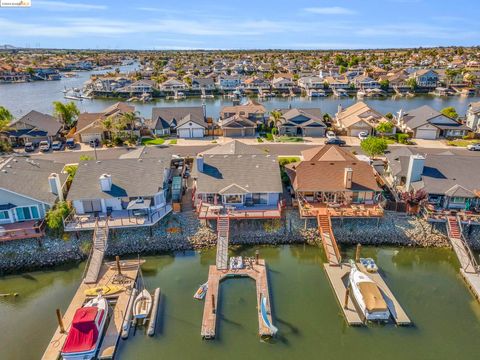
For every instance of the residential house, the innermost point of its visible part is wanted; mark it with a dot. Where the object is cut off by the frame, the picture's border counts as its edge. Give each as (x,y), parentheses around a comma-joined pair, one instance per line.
(139,87)
(473,116)
(173,85)
(365,82)
(252,110)
(330,175)
(130,192)
(28,189)
(229,82)
(256,83)
(358,118)
(185,122)
(301,122)
(205,83)
(337,82)
(426,78)
(239,179)
(427,123)
(282,83)
(450,181)
(311,82)
(34,127)
(237,126)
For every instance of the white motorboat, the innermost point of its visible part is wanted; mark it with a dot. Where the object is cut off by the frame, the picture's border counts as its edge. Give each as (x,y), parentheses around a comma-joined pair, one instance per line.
(142,305)
(84,335)
(367,296)
(201,292)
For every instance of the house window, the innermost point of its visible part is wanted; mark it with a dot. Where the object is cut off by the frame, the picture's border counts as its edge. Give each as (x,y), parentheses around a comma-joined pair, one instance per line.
(4,215)
(458,200)
(233,199)
(27,213)
(261,199)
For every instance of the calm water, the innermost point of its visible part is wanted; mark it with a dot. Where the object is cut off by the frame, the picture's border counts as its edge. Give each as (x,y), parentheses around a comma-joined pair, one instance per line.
(426,281)
(21,98)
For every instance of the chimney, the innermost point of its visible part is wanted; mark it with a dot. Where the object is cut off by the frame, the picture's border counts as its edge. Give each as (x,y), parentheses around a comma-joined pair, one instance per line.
(200,163)
(105,182)
(415,170)
(55,185)
(347,178)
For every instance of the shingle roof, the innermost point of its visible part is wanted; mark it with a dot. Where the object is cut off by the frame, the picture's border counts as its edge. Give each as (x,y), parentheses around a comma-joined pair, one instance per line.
(164,117)
(359,112)
(40,121)
(234,147)
(323,169)
(130,178)
(30,177)
(237,122)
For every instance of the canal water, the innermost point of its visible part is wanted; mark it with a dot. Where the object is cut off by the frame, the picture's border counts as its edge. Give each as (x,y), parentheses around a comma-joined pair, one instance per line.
(23,97)
(425,281)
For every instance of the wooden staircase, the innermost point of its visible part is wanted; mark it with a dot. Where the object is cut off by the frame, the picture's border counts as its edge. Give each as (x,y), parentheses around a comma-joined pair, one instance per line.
(464,254)
(223,232)
(328,239)
(94,264)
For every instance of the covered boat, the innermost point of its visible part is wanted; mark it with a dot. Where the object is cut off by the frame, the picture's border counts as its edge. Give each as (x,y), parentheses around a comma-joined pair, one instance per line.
(367,296)
(84,335)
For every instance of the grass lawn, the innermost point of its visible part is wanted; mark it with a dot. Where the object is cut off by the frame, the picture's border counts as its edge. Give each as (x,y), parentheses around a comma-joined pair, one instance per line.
(284,138)
(157,141)
(462,142)
(173,142)
(282,160)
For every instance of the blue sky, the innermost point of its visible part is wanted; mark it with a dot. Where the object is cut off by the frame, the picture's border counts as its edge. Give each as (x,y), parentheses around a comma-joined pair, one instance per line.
(244,24)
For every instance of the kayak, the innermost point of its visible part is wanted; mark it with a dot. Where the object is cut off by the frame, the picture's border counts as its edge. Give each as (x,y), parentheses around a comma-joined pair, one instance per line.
(105,290)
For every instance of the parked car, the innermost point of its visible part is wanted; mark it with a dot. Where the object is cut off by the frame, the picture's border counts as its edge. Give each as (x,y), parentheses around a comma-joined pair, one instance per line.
(331,135)
(363,135)
(29,147)
(45,145)
(94,143)
(474,147)
(335,141)
(57,145)
(70,143)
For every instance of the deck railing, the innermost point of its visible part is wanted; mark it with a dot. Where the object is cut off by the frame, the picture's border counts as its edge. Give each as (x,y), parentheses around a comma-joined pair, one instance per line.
(34,231)
(469,251)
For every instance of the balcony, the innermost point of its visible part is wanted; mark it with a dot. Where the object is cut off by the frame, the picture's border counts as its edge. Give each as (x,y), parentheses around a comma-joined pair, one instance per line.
(117,219)
(211,212)
(313,209)
(433,213)
(22,230)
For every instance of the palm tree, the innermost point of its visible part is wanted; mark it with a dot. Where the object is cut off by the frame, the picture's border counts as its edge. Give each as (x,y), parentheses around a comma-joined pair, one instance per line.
(130,118)
(107,126)
(67,113)
(276,115)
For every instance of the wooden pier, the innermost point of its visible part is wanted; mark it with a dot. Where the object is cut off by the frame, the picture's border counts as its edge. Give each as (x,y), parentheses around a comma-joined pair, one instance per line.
(256,271)
(107,276)
(338,277)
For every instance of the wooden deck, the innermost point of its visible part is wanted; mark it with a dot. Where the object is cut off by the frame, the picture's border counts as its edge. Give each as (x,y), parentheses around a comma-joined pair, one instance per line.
(338,277)
(22,230)
(257,272)
(112,334)
(308,210)
(212,212)
(328,240)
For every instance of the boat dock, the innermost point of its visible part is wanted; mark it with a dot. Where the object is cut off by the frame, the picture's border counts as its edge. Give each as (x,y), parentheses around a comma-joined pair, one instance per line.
(107,276)
(255,269)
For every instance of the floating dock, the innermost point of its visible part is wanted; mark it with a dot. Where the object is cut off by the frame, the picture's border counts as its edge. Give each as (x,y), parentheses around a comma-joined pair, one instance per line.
(254,270)
(338,277)
(107,276)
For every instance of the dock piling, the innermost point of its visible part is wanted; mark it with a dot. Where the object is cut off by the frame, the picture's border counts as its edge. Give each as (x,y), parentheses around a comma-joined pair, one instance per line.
(213,303)
(357,253)
(347,295)
(119,269)
(60,321)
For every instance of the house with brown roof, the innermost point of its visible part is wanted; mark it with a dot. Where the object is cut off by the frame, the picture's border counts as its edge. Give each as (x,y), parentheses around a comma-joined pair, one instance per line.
(301,122)
(237,126)
(251,110)
(34,127)
(358,118)
(331,176)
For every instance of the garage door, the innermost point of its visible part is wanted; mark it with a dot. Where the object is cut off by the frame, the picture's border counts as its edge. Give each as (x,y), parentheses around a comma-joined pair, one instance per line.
(197,133)
(427,134)
(90,206)
(88,137)
(184,133)
(355,132)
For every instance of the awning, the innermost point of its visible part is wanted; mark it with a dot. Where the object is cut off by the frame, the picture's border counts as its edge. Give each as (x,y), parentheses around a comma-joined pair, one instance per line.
(7,206)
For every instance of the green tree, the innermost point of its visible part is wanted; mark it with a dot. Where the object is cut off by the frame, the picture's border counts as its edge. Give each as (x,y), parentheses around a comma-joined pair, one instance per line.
(384,127)
(342,69)
(55,216)
(389,116)
(107,126)
(384,84)
(276,116)
(67,113)
(412,83)
(450,112)
(130,118)
(5,115)
(373,146)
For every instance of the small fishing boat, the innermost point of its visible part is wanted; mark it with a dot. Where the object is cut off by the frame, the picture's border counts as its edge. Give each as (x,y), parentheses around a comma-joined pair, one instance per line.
(142,305)
(83,339)
(367,296)
(369,265)
(105,290)
(201,292)
(265,318)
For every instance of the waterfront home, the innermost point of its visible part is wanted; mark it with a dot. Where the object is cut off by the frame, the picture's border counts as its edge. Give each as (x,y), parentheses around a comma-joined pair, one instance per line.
(28,189)
(427,123)
(329,176)
(301,122)
(239,179)
(473,116)
(450,181)
(280,83)
(365,82)
(426,78)
(237,126)
(396,79)
(90,125)
(34,127)
(9,74)
(130,192)
(109,84)
(340,82)
(229,82)
(139,87)
(173,85)
(256,83)
(252,110)
(358,118)
(311,82)
(203,83)
(184,122)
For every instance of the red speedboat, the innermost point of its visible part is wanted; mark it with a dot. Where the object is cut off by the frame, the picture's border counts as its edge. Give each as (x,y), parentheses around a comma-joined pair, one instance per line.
(84,335)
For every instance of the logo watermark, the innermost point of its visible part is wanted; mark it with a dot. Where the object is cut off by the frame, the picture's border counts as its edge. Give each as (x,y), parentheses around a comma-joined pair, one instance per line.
(15,3)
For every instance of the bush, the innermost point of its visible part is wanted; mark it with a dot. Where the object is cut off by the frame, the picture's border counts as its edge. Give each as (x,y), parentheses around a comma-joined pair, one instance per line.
(259,139)
(269,137)
(5,147)
(373,146)
(55,216)
(117,141)
(402,138)
(173,142)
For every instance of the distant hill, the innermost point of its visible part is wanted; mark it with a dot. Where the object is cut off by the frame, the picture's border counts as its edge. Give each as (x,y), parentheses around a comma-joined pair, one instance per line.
(7,47)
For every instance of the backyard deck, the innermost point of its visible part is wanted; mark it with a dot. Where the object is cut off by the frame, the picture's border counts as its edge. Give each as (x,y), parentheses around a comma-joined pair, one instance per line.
(211,212)
(22,230)
(311,210)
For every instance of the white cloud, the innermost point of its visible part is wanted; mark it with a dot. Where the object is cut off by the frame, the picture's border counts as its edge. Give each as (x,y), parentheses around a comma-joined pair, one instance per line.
(65,6)
(332,10)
